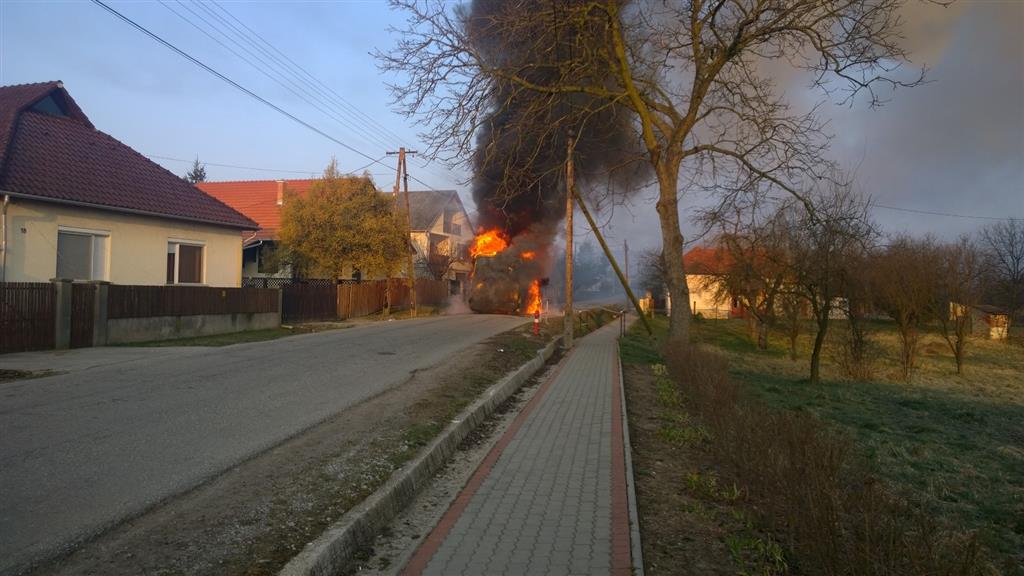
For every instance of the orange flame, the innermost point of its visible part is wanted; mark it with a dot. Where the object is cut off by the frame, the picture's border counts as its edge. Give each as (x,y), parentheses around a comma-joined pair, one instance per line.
(488,243)
(528,255)
(533,305)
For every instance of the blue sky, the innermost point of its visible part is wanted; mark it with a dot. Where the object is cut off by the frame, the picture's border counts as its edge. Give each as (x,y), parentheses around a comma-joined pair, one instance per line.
(955,145)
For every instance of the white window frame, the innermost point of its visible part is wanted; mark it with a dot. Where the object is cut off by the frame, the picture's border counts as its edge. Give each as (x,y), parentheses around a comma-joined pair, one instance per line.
(178,242)
(99,269)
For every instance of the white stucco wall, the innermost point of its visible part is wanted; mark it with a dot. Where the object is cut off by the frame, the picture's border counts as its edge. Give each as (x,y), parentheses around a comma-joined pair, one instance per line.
(136,245)
(702,299)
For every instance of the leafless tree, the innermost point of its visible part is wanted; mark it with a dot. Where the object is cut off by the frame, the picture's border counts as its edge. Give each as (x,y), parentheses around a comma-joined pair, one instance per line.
(652,272)
(822,244)
(906,276)
(753,267)
(857,350)
(959,288)
(1003,243)
(690,75)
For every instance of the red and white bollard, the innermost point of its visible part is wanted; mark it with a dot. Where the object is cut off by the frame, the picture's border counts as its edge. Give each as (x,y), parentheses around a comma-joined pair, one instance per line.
(536,322)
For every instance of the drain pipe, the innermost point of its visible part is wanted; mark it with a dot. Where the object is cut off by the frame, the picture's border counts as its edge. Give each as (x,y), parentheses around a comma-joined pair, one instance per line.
(3,241)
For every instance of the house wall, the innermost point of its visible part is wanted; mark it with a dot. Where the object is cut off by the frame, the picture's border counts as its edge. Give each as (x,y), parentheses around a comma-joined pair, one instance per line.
(703,300)
(136,246)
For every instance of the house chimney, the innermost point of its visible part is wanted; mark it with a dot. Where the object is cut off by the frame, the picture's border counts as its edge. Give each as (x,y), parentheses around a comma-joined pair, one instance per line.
(280,192)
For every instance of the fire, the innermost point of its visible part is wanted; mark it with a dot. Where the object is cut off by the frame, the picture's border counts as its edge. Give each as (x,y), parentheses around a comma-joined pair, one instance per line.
(488,243)
(533,305)
(528,255)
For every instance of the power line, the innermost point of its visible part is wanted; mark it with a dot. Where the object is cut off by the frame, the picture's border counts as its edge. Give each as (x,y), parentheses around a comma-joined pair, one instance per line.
(365,119)
(949,214)
(280,78)
(275,170)
(248,92)
(236,85)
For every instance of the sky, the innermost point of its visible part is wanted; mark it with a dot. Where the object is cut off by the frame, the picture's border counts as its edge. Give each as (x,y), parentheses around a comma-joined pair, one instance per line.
(954,145)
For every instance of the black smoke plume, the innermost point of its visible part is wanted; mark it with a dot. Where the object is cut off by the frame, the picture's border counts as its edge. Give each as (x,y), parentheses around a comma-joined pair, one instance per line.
(521,145)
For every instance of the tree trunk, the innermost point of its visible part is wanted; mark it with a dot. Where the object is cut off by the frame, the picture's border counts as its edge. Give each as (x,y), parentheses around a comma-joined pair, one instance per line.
(819,343)
(672,254)
(762,335)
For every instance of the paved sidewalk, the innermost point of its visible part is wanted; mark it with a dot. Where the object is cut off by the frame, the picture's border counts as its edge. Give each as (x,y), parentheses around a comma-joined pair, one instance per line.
(550,498)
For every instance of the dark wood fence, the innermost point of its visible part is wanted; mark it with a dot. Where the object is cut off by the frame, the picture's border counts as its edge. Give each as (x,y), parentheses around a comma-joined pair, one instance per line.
(308,302)
(26,316)
(312,302)
(83,309)
(149,301)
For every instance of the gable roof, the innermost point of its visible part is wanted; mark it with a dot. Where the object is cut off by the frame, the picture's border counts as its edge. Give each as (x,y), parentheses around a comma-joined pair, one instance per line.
(702,260)
(427,206)
(64,159)
(257,199)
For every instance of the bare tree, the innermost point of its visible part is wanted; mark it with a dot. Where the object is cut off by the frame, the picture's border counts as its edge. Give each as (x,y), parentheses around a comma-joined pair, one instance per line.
(652,272)
(855,286)
(753,267)
(906,276)
(1003,243)
(822,244)
(688,74)
(959,288)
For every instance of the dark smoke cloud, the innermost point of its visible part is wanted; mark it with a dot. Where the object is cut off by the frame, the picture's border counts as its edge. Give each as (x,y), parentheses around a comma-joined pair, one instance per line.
(521,147)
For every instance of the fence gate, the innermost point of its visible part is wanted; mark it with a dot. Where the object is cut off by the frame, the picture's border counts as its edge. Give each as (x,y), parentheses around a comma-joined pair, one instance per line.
(26,316)
(83,298)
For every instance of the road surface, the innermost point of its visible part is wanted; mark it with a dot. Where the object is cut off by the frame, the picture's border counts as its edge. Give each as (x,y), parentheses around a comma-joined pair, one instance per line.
(81,451)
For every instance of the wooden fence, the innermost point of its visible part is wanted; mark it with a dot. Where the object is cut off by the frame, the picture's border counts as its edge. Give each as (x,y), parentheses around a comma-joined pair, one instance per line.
(150,301)
(308,302)
(26,316)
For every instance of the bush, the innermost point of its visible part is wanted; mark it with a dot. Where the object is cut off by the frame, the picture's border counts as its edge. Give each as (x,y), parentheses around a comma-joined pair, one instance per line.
(806,484)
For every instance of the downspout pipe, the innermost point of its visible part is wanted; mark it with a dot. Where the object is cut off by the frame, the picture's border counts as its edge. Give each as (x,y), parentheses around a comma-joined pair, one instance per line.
(3,239)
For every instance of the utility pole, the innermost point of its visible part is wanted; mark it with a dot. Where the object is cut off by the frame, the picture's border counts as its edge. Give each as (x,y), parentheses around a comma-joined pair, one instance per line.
(402,178)
(625,248)
(569,184)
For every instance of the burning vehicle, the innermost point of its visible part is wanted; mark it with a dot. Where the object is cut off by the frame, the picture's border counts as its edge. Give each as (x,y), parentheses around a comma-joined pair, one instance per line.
(508,274)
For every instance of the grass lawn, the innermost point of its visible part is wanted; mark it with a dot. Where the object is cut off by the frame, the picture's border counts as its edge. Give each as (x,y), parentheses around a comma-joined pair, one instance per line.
(952,443)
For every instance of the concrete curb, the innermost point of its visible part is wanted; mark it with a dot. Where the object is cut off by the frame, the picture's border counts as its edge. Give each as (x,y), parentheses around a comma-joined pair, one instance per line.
(636,550)
(329,553)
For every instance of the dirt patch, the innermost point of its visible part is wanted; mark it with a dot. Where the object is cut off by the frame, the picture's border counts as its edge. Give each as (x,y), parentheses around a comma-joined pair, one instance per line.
(12,375)
(688,521)
(257,516)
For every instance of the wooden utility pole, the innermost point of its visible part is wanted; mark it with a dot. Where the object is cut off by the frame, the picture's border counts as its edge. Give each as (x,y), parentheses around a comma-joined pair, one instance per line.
(402,178)
(625,248)
(569,184)
(611,259)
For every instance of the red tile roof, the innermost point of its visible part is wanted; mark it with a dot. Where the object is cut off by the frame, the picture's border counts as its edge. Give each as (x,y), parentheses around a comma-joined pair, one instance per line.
(257,199)
(701,260)
(65,159)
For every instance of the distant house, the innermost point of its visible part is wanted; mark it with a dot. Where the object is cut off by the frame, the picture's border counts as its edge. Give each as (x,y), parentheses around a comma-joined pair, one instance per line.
(441,230)
(441,234)
(988,321)
(81,205)
(702,266)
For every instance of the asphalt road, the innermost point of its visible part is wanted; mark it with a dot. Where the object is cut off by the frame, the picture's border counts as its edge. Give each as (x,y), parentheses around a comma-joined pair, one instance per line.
(81,451)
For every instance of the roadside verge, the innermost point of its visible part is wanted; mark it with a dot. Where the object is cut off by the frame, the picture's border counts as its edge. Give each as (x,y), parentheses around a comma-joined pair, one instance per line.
(330,552)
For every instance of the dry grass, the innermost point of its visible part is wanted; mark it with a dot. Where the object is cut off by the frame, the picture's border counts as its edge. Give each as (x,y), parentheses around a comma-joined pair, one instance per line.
(815,486)
(952,444)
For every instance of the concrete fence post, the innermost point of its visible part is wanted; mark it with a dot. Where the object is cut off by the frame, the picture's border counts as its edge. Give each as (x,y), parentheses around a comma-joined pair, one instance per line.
(99,314)
(62,313)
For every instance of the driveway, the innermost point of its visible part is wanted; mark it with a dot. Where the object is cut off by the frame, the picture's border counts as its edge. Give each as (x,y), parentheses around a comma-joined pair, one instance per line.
(117,434)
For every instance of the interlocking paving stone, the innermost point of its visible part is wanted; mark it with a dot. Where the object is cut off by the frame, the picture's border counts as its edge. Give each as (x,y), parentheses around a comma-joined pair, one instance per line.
(547,504)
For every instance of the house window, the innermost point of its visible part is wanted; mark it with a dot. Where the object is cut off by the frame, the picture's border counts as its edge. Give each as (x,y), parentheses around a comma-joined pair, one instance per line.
(456,230)
(184,263)
(81,254)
